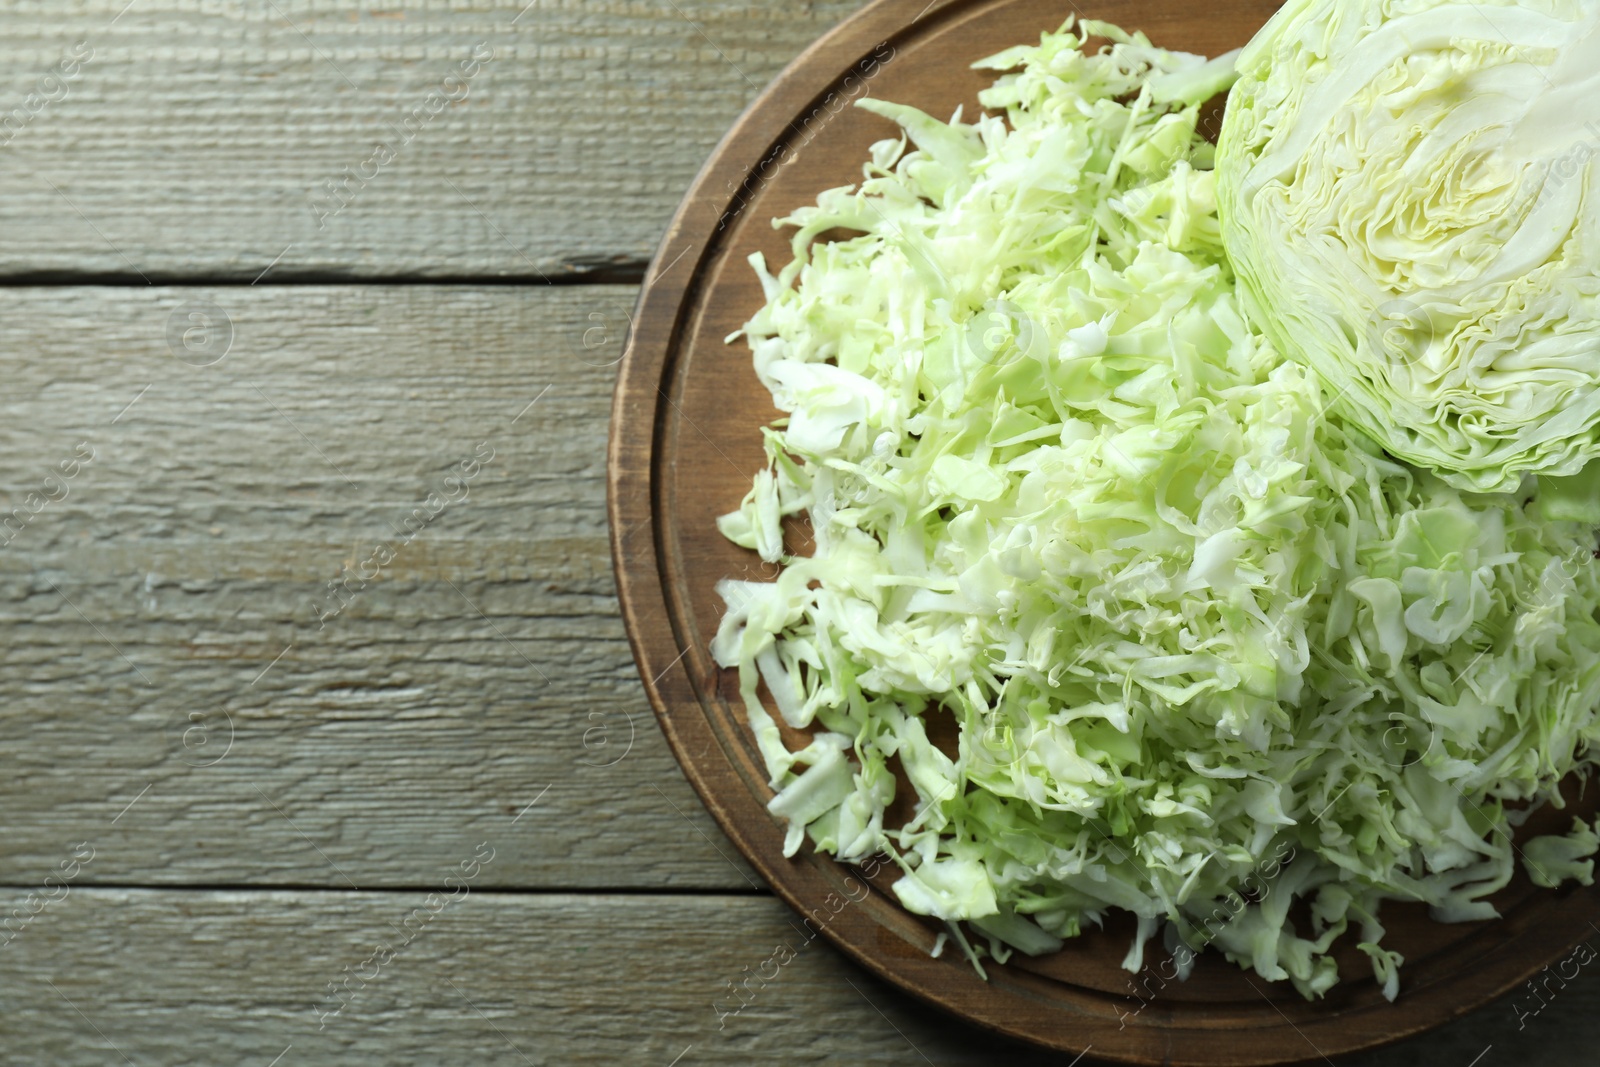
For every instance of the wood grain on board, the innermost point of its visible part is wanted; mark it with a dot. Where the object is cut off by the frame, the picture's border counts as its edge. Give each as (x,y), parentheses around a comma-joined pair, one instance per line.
(685,443)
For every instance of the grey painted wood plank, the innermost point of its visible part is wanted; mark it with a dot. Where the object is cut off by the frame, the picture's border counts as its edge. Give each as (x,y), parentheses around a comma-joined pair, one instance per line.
(166,601)
(178,978)
(200,139)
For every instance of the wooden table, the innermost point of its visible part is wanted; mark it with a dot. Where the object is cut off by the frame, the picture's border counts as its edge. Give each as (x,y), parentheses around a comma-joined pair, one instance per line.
(321,738)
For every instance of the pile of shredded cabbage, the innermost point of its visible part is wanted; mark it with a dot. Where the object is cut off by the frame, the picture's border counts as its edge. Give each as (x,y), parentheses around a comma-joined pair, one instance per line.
(1190,629)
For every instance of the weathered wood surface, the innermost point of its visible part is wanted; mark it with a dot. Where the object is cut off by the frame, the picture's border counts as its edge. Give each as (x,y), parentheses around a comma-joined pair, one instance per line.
(178,978)
(195,139)
(145,609)
(143,606)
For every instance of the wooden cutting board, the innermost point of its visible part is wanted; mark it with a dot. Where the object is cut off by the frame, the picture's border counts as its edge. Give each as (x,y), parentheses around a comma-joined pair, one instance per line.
(685,443)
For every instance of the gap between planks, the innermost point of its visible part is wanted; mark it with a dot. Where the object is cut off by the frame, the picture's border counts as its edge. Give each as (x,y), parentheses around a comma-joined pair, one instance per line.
(628,273)
(384,890)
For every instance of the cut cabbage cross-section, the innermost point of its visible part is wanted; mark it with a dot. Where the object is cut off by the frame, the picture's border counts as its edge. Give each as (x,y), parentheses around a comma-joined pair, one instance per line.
(1410,193)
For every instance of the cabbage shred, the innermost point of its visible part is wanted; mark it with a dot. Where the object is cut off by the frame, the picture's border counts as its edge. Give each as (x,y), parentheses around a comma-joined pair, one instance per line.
(1071,508)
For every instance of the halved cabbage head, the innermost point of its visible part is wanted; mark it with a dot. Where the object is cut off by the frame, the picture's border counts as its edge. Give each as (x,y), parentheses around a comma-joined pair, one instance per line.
(1410,196)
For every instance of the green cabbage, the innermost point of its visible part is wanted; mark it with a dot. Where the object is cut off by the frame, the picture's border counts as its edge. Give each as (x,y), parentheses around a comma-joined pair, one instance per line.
(1202,651)
(1409,198)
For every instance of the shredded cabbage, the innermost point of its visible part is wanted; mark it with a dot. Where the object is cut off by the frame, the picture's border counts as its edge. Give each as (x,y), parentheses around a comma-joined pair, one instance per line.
(1202,650)
(1410,197)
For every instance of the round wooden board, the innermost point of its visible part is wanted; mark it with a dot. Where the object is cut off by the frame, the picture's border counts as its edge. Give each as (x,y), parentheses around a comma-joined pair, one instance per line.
(685,443)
